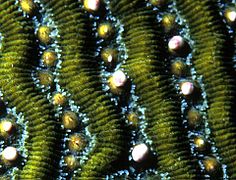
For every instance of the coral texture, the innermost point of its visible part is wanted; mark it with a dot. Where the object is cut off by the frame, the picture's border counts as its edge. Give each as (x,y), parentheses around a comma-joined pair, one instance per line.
(212,60)
(145,67)
(91,89)
(18,88)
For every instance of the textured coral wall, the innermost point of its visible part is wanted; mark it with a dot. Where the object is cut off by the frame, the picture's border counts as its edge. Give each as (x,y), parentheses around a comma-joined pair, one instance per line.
(117,89)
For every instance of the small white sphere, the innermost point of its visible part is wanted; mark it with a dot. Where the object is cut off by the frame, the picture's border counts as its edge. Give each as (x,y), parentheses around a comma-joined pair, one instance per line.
(231,16)
(10,153)
(140,152)
(176,43)
(92,5)
(7,126)
(187,88)
(119,78)
(110,58)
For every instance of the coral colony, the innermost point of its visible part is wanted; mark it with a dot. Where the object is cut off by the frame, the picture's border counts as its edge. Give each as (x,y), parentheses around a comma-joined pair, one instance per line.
(117,89)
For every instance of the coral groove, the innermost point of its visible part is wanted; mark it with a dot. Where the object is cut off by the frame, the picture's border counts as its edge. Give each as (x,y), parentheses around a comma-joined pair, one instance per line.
(19,90)
(211,59)
(79,75)
(145,67)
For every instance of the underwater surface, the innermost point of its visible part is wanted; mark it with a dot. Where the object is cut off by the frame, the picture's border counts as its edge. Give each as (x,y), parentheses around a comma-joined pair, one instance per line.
(117,89)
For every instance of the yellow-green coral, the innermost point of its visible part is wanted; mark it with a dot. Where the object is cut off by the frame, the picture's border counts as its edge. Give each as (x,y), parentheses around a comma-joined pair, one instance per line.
(19,90)
(212,59)
(145,67)
(78,47)
(97,140)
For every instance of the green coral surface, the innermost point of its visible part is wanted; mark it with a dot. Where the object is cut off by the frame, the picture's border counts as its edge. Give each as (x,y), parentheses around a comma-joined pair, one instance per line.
(19,90)
(151,91)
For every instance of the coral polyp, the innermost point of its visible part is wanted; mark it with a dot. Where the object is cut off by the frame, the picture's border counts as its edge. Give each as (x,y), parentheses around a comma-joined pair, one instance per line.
(117,89)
